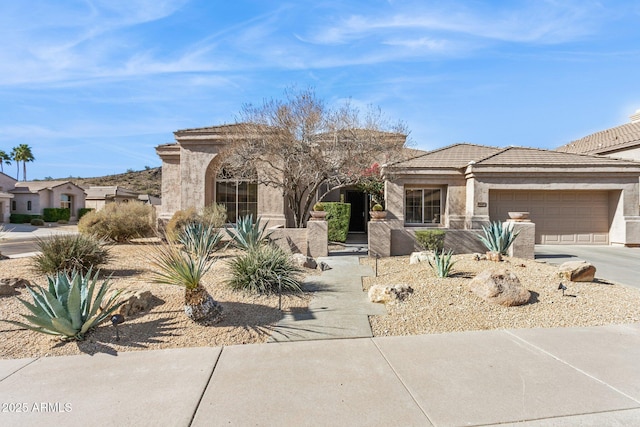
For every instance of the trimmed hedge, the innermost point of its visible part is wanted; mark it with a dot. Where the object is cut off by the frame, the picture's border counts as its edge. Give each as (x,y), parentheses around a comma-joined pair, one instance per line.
(338,216)
(431,240)
(56,214)
(83,211)
(23,218)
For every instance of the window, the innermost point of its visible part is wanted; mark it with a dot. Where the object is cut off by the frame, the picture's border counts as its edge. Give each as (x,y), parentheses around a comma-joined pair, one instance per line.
(423,206)
(65,201)
(13,205)
(240,197)
(29,205)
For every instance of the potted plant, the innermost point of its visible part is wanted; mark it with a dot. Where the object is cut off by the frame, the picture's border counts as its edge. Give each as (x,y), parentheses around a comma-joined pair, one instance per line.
(318,212)
(377,212)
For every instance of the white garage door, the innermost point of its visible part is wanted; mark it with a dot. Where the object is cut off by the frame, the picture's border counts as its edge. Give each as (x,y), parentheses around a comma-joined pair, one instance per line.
(561,217)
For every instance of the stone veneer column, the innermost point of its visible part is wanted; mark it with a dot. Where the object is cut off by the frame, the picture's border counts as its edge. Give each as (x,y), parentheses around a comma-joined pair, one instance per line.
(379,238)
(524,245)
(317,238)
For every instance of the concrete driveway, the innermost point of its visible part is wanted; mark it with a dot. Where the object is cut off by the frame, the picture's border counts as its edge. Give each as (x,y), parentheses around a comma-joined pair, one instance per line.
(613,263)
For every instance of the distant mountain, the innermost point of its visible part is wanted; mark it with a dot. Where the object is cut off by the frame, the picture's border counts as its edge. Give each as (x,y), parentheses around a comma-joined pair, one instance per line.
(148,181)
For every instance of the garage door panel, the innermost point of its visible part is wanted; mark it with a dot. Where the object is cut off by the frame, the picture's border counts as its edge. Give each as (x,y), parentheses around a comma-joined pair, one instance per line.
(561,217)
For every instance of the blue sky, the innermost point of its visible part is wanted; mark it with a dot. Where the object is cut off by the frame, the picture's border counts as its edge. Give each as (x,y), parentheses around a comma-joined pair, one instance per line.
(93,86)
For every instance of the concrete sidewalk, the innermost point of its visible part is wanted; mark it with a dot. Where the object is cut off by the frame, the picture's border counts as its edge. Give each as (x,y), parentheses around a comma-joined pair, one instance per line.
(537,377)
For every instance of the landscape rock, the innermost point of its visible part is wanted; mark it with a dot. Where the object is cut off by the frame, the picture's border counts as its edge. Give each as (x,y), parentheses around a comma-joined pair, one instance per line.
(304,261)
(577,271)
(418,257)
(324,266)
(479,257)
(137,303)
(384,294)
(15,282)
(499,286)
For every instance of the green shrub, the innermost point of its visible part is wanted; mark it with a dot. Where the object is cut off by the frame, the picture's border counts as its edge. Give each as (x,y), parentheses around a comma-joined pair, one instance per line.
(68,308)
(262,268)
(338,216)
(498,238)
(119,222)
(377,207)
(247,234)
(37,222)
(70,252)
(23,218)
(83,211)
(430,240)
(442,262)
(319,206)
(56,214)
(63,221)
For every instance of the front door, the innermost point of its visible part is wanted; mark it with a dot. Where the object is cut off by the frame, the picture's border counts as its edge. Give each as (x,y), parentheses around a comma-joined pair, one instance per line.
(358,201)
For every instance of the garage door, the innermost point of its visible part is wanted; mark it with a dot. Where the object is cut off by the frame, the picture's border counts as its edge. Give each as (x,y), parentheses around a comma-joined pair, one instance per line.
(561,217)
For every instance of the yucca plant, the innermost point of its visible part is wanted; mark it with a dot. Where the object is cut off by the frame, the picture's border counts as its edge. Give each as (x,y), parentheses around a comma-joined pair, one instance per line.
(442,262)
(69,252)
(262,269)
(199,239)
(247,234)
(498,238)
(68,307)
(175,267)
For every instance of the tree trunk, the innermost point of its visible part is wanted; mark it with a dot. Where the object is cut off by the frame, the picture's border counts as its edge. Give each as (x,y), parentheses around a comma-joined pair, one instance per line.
(199,305)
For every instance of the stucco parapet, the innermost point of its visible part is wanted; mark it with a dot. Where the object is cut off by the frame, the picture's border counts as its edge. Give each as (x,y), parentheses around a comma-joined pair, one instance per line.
(168,151)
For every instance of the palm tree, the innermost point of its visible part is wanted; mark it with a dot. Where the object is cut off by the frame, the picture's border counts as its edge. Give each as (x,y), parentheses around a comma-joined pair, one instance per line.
(22,153)
(4,158)
(15,155)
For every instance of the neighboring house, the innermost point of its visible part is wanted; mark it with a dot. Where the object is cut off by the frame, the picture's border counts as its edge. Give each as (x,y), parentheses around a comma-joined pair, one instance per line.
(6,183)
(621,141)
(31,197)
(98,196)
(572,198)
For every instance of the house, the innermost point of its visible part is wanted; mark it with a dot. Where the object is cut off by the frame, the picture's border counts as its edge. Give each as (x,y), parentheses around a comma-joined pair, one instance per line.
(572,198)
(31,197)
(6,183)
(98,196)
(621,141)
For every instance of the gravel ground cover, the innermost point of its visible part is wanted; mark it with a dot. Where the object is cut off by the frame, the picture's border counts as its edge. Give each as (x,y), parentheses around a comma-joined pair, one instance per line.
(440,305)
(246,319)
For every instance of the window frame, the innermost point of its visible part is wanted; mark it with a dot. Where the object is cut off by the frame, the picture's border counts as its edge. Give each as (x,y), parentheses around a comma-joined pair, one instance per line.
(235,182)
(422,189)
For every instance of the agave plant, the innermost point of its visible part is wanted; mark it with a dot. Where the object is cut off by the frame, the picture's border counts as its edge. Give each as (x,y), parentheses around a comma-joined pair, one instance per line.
(442,262)
(498,238)
(68,307)
(246,234)
(199,239)
(175,267)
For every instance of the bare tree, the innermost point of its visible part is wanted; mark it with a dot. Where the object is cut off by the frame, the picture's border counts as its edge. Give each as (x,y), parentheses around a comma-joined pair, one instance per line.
(307,149)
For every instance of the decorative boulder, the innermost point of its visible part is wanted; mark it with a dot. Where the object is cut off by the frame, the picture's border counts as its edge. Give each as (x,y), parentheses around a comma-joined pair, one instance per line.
(304,261)
(499,286)
(384,294)
(577,271)
(137,303)
(418,257)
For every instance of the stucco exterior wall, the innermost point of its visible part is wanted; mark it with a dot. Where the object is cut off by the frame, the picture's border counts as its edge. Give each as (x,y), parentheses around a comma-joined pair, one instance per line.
(22,201)
(78,198)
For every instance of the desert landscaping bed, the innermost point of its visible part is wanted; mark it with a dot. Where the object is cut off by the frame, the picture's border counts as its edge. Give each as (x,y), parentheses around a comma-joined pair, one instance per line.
(246,319)
(440,305)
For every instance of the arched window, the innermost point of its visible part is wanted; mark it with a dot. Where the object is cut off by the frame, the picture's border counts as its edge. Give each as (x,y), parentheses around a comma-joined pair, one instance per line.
(238,195)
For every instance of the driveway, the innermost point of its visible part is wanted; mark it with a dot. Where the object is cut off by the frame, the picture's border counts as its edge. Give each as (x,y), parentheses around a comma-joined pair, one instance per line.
(617,264)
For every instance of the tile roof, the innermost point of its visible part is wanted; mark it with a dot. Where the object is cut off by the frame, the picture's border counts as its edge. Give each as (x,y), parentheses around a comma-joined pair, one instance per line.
(35,186)
(613,139)
(101,192)
(522,156)
(451,157)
